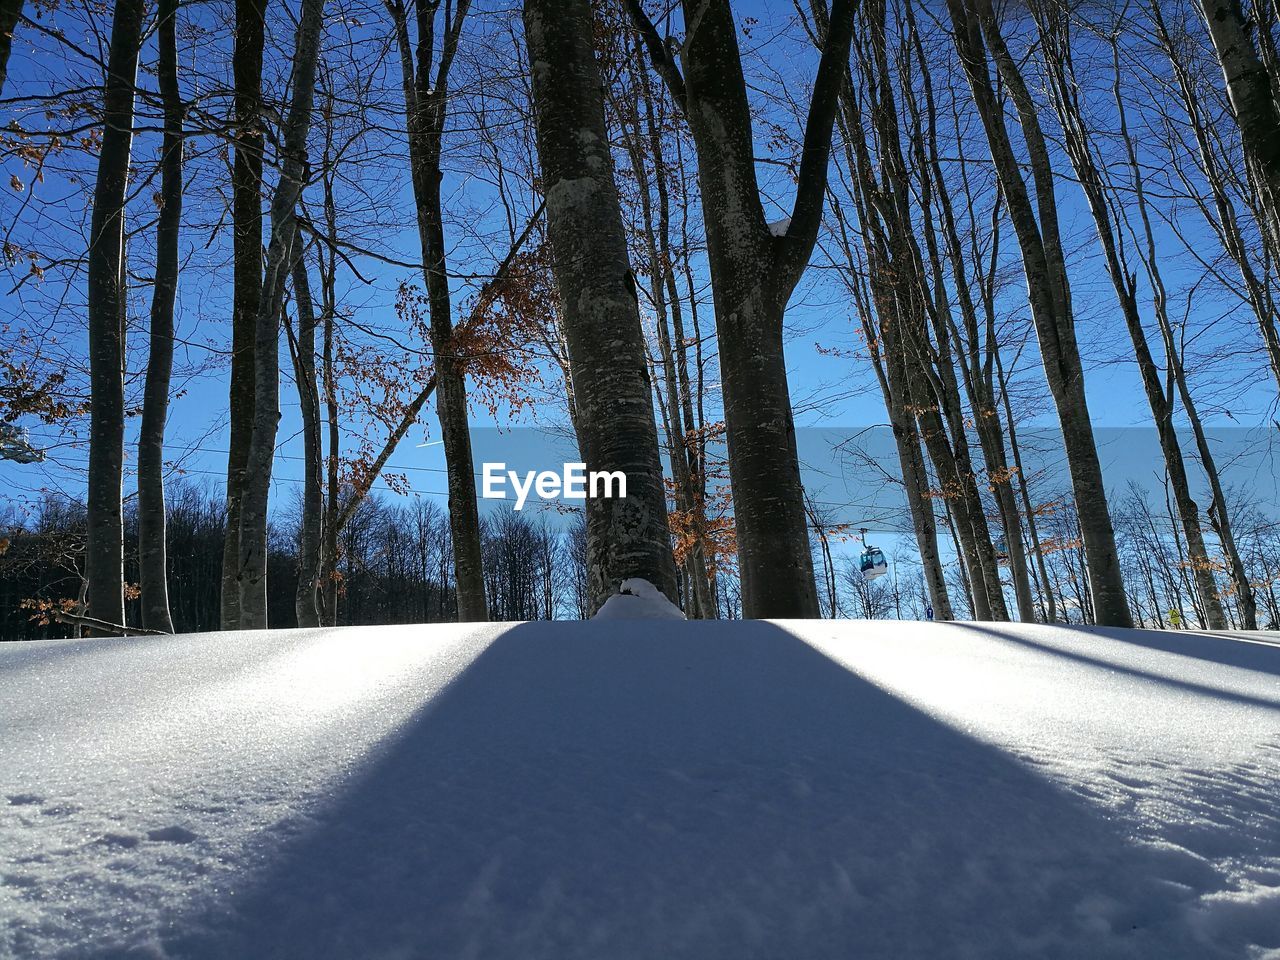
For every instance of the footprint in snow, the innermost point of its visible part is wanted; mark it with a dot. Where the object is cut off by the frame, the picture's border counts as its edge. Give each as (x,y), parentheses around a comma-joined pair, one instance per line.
(174,834)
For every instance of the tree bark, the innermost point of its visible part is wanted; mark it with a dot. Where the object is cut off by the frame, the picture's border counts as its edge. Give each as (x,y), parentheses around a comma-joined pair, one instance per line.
(10,13)
(104,547)
(754,270)
(252,572)
(246,218)
(1250,89)
(1049,292)
(627,537)
(426,97)
(1055,45)
(303,352)
(152,560)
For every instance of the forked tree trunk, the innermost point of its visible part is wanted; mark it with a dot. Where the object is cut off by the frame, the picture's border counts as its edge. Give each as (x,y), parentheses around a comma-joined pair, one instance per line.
(627,537)
(1036,226)
(252,572)
(246,219)
(104,546)
(754,270)
(152,562)
(426,98)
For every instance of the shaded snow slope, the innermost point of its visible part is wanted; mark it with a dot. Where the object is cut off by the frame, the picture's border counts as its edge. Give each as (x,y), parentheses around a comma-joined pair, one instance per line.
(641,789)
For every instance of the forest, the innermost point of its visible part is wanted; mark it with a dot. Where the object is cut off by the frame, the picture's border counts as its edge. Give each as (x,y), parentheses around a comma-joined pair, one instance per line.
(262,260)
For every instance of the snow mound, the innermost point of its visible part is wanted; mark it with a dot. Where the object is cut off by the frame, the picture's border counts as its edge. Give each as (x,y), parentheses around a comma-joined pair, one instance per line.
(638,599)
(779,228)
(719,791)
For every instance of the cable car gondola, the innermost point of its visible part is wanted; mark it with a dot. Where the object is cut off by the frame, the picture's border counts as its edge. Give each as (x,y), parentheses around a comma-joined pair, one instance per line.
(873,563)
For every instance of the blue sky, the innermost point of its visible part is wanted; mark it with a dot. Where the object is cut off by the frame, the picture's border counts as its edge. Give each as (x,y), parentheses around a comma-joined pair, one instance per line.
(835,397)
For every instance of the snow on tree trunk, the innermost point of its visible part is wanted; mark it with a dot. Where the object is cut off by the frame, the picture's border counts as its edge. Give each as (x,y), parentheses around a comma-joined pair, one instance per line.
(104,550)
(627,537)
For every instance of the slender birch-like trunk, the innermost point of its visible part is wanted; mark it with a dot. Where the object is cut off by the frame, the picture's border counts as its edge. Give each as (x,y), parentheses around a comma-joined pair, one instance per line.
(426,98)
(303,351)
(104,541)
(152,562)
(252,573)
(1036,226)
(246,219)
(1056,53)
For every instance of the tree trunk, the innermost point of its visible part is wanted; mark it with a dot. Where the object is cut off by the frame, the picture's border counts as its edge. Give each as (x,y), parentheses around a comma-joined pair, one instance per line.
(307,598)
(754,270)
(627,537)
(252,573)
(246,218)
(1055,44)
(426,109)
(10,12)
(1049,292)
(152,561)
(1249,87)
(104,547)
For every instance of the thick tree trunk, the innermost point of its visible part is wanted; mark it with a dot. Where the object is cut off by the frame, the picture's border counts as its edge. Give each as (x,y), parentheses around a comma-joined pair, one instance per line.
(152,562)
(246,219)
(104,547)
(307,598)
(252,572)
(627,537)
(1249,87)
(10,12)
(754,270)
(1049,292)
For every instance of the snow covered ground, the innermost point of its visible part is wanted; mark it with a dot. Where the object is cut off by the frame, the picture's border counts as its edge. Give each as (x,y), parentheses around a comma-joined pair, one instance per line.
(642,789)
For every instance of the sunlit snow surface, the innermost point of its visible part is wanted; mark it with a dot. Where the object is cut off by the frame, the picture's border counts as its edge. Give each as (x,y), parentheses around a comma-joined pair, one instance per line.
(642,790)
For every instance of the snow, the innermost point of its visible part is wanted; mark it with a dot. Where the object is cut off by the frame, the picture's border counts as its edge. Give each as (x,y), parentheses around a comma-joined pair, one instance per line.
(638,599)
(629,788)
(779,228)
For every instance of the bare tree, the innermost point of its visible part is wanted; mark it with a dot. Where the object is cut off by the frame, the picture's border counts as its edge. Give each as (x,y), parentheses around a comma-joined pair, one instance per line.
(426,100)
(152,562)
(246,218)
(755,267)
(252,572)
(1055,44)
(1036,226)
(104,550)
